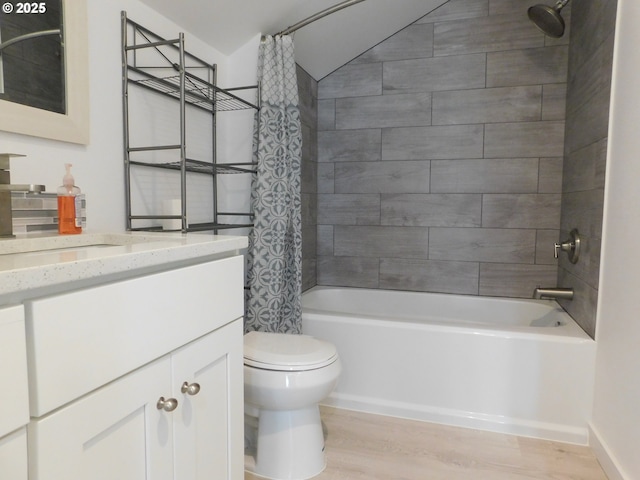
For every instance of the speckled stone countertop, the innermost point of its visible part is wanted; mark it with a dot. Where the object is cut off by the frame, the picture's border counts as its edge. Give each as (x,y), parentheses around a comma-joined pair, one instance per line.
(40,261)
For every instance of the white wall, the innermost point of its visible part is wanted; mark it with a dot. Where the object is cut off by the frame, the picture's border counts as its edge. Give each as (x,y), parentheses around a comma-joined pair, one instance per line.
(616,415)
(236,128)
(98,167)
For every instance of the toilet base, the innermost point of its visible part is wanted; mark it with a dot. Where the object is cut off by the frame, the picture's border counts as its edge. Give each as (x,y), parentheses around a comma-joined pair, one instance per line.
(289,445)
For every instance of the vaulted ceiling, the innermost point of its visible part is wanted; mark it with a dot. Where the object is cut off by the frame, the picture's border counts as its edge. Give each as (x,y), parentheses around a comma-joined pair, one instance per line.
(321,47)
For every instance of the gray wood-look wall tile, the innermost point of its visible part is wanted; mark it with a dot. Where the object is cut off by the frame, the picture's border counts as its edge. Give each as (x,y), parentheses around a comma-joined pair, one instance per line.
(554,101)
(434,74)
(527,67)
(502,7)
(487,105)
(482,245)
(429,276)
(308,89)
(348,271)
(593,25)
(356,145)
(431,210)
(309,241)
(584,168)
(508,280)
(406,110)
(326,177)
(591,122)
(550,179)
(485,34)
(501,175)
(309,208)
(382,241)
(326,114)
(308,97)
(584,305)
(441,142)
(352,81)
(591,78)
(325,240)
(524,139)
(415,41)
(309,164)
(545,240)
(382,177)
(348,209)
(583,210)
(309,273)
(521,210)
(457,10)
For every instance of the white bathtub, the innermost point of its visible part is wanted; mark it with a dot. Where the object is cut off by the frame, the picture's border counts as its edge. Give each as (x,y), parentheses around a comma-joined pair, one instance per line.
(506,365)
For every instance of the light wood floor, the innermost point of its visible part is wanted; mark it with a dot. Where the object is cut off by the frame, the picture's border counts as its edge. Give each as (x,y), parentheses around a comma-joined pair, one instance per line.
(374,447)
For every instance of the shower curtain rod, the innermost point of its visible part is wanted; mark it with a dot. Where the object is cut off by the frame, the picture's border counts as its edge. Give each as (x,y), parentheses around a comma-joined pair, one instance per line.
(318,16)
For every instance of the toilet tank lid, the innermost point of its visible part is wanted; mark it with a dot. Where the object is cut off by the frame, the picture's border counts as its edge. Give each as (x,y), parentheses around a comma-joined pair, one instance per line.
(263,349)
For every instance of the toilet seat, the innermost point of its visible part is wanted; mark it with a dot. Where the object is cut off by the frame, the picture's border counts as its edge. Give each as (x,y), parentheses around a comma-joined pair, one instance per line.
(287,352)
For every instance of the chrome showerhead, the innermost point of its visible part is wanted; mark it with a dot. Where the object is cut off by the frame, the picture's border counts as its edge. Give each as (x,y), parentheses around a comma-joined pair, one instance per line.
(548,18)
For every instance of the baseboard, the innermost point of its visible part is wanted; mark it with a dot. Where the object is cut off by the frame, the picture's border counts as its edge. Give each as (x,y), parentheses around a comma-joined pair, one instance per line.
(604,456)
(478,421)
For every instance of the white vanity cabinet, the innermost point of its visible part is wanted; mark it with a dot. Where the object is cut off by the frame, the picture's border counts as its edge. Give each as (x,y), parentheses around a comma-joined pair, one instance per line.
(119,431)
(14,414)
(101,359)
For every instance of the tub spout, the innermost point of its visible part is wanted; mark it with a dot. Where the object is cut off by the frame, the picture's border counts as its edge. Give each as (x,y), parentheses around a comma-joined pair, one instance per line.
(551,293)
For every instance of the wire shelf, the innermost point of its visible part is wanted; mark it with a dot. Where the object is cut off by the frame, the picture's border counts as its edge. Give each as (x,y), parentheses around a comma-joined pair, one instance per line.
(197,92)
(197,166)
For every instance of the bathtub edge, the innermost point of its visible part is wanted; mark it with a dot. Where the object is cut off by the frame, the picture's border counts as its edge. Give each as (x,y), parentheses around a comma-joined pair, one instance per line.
(458,418)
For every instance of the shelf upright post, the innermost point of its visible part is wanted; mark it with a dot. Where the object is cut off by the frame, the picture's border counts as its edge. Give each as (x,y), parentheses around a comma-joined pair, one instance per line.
(183,138)
(214,158)
(125,120)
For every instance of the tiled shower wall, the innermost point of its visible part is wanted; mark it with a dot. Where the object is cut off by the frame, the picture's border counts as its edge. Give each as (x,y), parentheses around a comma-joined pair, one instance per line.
(440,156)
(590,66)
(308,89)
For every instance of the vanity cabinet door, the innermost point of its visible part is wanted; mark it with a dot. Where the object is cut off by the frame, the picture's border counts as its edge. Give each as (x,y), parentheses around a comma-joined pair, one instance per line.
(207,378)
(14,403)
(115,432)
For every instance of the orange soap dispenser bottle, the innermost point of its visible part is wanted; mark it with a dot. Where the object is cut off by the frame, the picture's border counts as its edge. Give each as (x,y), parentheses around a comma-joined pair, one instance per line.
(69,205)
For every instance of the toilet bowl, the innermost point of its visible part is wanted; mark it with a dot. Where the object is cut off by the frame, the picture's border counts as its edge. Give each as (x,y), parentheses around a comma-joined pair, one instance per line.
(285,378)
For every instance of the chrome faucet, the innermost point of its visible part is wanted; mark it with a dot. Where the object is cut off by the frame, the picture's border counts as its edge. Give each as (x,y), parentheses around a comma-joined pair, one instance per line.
(553,292)
(6,215)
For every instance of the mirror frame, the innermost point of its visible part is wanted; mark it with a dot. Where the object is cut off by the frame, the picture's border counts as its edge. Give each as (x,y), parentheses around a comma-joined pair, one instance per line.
(73,126)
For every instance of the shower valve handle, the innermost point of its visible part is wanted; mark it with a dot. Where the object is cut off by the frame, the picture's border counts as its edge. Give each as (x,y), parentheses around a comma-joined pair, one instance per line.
(571,246)
(564,246)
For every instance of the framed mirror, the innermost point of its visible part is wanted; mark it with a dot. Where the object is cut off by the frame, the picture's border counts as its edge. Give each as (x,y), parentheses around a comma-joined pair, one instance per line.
(49,55)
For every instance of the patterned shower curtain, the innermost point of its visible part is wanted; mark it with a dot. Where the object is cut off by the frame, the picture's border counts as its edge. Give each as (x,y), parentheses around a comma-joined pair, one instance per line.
(275,242)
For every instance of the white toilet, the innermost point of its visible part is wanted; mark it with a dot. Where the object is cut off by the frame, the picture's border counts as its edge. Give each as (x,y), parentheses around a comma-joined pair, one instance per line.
(285,377)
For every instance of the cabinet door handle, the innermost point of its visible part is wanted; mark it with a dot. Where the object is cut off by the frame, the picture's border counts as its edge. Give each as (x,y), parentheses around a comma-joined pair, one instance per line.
(190,389)
(168,405)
